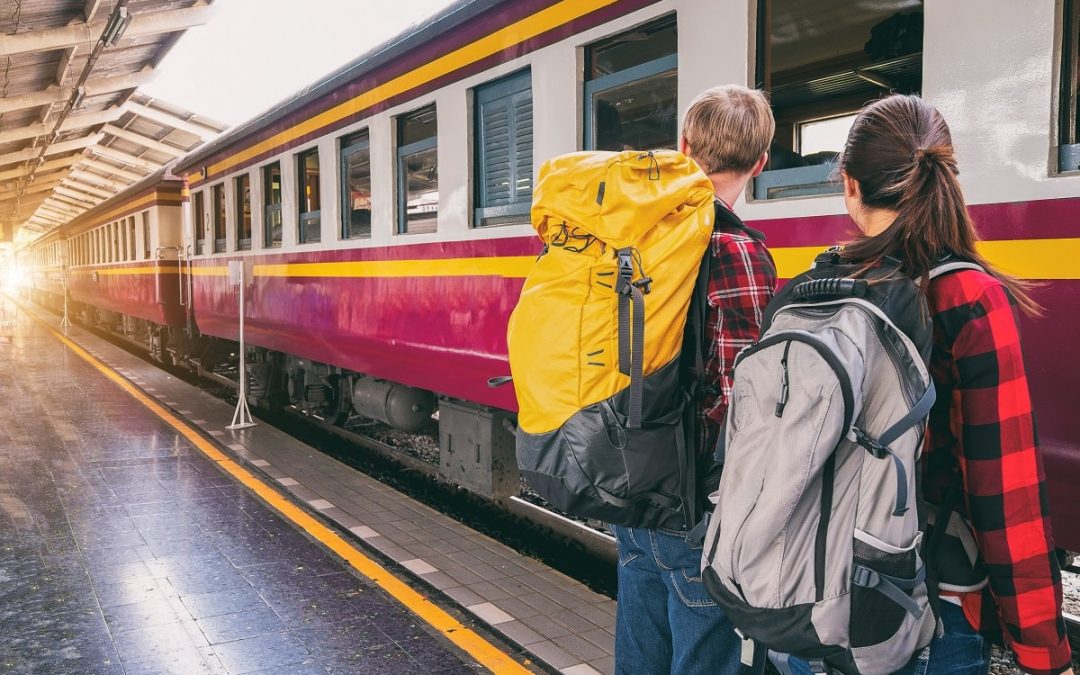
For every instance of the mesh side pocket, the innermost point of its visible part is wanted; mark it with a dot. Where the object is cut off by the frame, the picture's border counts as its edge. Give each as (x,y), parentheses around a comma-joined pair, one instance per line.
(874,617)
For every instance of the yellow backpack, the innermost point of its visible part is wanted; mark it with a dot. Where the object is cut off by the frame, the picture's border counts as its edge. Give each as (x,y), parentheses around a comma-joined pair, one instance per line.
(596,337)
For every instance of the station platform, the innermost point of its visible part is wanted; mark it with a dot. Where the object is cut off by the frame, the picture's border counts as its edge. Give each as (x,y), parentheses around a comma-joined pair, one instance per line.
(139,535)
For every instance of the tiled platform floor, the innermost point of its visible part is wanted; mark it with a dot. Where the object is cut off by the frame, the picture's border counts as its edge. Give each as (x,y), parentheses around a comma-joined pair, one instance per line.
(563,624)
(124,550)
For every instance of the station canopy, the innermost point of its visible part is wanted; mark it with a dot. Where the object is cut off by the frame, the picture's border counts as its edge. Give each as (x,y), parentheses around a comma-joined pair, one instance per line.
(74,129)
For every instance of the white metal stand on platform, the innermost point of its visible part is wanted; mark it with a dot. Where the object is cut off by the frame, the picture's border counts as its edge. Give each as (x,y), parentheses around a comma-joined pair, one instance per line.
(242,417)
(65,323)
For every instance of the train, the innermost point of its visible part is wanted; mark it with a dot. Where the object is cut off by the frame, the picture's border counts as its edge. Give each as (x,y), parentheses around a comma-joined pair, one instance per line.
(382,213)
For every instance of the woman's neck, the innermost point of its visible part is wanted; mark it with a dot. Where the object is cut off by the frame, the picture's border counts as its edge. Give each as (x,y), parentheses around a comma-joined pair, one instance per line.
(873,222)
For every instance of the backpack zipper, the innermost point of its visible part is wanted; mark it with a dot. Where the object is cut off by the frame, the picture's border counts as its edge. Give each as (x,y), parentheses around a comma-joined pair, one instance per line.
(782,403)
(876,325)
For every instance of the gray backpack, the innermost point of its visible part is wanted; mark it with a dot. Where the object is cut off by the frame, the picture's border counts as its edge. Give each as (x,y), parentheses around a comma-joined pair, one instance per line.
(813,548)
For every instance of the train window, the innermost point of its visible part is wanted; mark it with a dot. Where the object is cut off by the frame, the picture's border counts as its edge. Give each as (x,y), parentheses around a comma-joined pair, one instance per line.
(243,212)
(631,93)
(198,210)
(271,175)
(145,215)
(504,150)
(355,186)
(115,241)
(217,199)
(418,171)
(821,61)
(131,237)
(1069,124)
(307,164)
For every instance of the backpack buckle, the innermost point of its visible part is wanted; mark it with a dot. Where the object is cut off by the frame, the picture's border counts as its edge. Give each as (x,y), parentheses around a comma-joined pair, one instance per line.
(645,284)
(626,271)
(864,576)
(876,449)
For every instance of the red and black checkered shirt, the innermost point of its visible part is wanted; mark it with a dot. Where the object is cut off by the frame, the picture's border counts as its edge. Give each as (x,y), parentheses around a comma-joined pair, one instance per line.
(742,280)
(983,429)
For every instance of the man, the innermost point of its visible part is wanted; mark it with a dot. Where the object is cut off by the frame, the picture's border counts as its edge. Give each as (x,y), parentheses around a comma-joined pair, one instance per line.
(666,622)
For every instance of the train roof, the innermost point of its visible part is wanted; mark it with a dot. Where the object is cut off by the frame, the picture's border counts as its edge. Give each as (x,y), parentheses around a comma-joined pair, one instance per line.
(448,19)
(93,217)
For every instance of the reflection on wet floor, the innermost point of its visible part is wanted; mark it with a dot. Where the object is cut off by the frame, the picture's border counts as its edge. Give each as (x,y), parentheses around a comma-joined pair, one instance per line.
(124,550)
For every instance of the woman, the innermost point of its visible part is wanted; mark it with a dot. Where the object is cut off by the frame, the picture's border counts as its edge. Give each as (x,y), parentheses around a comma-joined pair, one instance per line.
(901,189)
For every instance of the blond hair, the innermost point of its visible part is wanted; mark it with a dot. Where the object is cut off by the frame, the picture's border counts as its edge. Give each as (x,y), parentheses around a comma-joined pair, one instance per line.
(728,128)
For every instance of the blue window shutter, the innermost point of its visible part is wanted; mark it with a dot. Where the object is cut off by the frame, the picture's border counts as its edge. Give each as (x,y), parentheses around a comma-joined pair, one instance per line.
(505,148)
(497,158)
(523,147)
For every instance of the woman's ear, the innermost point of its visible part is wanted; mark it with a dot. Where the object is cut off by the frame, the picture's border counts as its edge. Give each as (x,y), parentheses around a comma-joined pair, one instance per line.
(851,188)
(684,147)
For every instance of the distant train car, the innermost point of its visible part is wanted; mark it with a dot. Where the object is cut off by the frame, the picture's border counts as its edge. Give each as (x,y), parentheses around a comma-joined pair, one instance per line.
(121,263)
(46,276)
(383,211)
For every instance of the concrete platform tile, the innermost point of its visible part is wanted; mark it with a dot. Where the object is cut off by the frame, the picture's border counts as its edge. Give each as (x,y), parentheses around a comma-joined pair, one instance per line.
(442,581)
(490,613)
(364,532)
(520,633)
(548,627)
(260,463)
(580,669)
(601,615)
(320,504)
(462,595)
(418,566)
(579,646)
(287,481)
(601,637)
(554,655)
(489,591)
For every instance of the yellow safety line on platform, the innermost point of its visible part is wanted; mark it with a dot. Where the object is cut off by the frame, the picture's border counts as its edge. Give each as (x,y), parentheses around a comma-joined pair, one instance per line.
(476,646)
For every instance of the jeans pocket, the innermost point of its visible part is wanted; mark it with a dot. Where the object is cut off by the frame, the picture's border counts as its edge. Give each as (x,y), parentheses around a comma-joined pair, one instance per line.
(625,545)
(691,590)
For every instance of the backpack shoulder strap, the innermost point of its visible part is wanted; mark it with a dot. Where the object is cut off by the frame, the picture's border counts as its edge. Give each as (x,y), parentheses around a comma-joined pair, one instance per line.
(953,265)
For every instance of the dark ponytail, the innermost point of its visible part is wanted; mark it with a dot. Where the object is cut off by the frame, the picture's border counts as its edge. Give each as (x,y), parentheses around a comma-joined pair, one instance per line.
(900,152)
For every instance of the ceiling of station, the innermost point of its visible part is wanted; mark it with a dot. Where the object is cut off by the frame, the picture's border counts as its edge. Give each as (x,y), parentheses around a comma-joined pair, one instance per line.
(74,129)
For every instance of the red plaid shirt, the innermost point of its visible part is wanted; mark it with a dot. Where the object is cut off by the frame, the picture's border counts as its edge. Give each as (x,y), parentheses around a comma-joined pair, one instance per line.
(742,280)
(983,428)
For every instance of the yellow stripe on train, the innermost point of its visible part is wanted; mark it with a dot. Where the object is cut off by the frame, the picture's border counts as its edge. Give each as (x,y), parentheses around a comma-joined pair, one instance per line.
(513,267)
(525,29)
(1024,258)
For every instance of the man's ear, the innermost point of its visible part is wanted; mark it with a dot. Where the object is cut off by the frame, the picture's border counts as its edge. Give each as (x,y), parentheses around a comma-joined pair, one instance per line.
(684,147)
(760,166)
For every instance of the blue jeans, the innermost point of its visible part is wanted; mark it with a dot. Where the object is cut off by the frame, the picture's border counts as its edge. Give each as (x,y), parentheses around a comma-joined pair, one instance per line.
(665,621)
(960,651)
